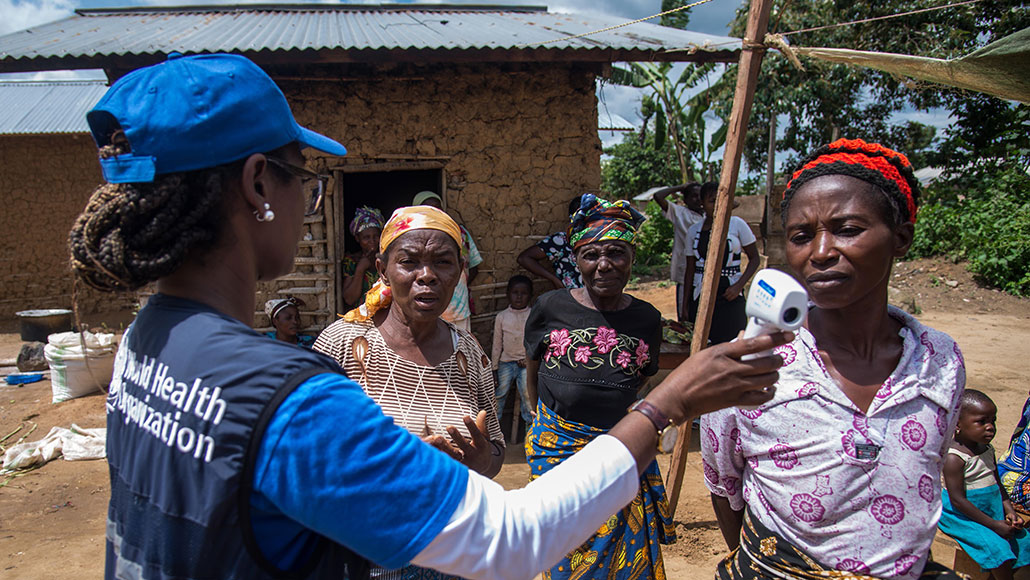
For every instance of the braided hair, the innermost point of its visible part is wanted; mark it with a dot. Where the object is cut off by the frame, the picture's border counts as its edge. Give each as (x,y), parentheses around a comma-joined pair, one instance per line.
(131,234)
(873,163)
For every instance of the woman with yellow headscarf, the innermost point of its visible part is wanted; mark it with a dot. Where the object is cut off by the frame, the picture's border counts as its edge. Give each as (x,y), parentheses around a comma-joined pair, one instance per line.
(430,376)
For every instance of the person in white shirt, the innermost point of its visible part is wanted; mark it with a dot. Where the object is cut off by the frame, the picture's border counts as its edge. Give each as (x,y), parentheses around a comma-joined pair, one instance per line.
(509,352)
(682,217)
(728,317)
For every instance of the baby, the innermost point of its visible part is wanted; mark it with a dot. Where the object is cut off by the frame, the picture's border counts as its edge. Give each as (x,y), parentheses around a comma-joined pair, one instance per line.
(976,511)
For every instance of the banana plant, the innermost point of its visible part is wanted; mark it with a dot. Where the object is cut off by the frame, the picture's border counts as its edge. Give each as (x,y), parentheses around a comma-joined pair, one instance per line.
(677,118)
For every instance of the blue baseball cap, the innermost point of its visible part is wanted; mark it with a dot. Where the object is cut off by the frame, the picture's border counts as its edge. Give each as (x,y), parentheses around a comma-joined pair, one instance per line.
(195,112)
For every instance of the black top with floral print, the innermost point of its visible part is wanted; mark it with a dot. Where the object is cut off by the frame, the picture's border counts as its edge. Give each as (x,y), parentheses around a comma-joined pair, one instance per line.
(591,363)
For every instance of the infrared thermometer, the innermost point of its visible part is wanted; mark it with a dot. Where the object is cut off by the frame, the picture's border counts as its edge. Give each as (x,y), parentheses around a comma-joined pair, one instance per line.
(776,301)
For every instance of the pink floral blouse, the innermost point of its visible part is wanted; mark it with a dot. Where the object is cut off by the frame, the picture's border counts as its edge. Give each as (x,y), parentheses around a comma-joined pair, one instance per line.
(858,492)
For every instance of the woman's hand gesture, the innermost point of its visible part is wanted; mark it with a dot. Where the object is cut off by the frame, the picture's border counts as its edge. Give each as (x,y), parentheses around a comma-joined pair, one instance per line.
(478,453)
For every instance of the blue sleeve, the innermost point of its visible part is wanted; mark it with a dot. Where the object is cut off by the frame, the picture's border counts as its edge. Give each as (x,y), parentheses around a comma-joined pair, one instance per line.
(331,462)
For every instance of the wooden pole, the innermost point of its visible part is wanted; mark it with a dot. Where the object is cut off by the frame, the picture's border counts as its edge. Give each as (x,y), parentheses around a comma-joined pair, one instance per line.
(770,163)
(747,79)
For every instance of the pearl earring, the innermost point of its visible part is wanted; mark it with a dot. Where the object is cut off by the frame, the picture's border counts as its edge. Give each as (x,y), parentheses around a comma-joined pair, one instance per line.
(268,216)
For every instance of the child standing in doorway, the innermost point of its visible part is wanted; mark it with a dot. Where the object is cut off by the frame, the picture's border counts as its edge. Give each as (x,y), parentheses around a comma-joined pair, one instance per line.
(976,511)
(509,352)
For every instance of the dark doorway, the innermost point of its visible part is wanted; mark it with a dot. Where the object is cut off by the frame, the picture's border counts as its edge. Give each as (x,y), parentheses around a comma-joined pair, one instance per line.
(385,190)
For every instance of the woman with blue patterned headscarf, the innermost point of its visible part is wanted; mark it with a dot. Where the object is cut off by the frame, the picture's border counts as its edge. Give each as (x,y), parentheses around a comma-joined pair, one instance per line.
(589,351)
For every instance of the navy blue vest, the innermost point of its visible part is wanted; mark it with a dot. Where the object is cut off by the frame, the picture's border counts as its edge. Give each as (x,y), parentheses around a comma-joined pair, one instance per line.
(192,393)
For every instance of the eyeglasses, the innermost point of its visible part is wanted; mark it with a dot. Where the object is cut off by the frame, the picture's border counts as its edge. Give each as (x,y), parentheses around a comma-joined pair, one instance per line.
(313,183)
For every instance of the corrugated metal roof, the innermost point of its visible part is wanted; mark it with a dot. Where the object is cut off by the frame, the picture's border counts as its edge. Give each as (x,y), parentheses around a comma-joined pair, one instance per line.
(609,121)
(35,107)
(360,31)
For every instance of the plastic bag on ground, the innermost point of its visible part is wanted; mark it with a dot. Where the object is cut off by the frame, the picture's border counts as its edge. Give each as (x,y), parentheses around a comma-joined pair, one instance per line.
(75,444)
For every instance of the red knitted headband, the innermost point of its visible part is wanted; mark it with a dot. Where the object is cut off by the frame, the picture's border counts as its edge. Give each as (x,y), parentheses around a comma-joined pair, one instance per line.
(870,162)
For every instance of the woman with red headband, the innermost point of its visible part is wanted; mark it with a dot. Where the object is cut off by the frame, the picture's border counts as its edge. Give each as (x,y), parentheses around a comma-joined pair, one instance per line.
(841,470)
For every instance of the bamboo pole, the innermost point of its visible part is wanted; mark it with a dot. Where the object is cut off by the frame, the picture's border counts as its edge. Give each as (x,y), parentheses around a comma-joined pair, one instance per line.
(747,79)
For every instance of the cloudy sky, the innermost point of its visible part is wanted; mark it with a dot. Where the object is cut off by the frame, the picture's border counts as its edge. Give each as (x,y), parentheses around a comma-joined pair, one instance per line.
(713,18)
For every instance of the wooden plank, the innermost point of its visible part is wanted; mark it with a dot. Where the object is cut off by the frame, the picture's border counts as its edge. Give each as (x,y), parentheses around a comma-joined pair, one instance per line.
(308,261)
(310,290)
(316,313)
(387,166)
(747,79)
(299,276)
(334,298)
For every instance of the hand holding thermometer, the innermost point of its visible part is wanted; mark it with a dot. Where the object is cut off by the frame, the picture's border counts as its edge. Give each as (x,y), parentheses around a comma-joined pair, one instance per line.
(775,302)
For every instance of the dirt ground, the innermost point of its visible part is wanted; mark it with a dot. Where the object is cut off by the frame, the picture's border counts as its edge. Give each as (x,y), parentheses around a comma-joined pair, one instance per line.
(52,519)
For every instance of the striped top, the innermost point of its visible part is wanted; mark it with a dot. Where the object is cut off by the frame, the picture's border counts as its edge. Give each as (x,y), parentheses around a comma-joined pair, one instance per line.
(422,399)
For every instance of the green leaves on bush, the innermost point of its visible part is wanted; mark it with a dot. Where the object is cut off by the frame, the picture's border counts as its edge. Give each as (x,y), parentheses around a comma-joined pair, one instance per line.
(990,228)
(654,239)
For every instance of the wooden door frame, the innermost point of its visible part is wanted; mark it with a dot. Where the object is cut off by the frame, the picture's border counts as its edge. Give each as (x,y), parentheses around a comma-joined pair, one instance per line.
(384,164)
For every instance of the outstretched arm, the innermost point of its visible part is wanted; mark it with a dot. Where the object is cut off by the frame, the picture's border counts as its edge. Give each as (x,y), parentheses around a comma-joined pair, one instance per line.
(456,521)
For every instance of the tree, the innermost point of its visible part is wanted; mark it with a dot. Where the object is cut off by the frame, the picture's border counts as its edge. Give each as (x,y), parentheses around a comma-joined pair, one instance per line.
(677,118)
(978,210)
(827,101)
(636,165)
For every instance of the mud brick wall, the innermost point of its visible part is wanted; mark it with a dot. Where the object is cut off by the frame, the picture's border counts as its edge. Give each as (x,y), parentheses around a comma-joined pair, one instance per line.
(517,145)
(45,181)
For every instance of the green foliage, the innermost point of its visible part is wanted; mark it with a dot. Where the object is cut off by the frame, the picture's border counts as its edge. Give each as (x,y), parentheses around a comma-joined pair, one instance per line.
(827,100)
(979,210)
(752,185)
(990,228)
(988,136)
(677,118)
(635,167)
(654,239)
(677,19)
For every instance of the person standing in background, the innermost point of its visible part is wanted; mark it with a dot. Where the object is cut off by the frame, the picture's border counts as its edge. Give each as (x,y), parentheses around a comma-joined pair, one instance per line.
(359,268)
(509,352)
(460,309)
(589,351)
(284,316)
(682,217)
(728,316)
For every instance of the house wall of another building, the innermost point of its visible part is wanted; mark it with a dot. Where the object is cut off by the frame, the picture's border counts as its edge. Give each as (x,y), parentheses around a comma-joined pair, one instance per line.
(516,146)
(45,181)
